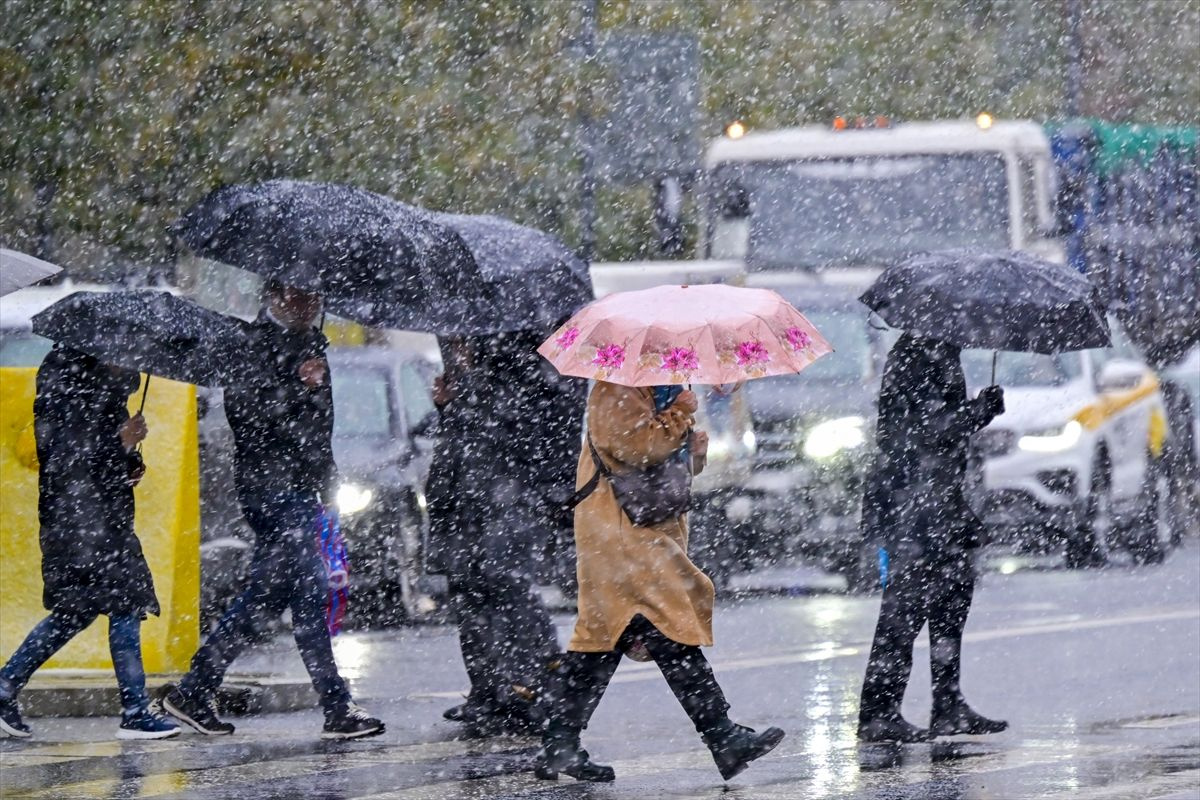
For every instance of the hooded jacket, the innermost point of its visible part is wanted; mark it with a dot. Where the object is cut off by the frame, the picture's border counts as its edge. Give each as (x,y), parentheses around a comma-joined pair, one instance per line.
(92,561)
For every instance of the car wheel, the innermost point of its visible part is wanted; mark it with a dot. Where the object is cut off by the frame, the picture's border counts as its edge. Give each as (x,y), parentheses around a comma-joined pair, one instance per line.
(1089,544)
(1153,531)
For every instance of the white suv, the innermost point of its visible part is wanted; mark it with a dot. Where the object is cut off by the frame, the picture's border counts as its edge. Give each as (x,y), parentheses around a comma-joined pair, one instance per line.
(1074,459)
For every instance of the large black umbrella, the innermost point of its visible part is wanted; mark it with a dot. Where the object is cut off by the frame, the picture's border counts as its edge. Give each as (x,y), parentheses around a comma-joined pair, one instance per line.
(536,280)
(152,331)
(991,301)
(375,260)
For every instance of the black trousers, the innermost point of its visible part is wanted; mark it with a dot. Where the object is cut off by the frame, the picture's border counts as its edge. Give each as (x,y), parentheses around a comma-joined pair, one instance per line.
(924,586)
(504,630)
(582,679)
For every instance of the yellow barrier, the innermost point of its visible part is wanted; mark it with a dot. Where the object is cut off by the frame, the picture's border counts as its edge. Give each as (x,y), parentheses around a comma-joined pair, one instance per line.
(167,522)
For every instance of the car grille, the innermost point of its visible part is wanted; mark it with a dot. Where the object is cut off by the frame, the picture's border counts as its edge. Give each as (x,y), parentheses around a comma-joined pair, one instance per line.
(993,442)
(778,444)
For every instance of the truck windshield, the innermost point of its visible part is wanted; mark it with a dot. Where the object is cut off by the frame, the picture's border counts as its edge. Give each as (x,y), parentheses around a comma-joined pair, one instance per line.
(870,209)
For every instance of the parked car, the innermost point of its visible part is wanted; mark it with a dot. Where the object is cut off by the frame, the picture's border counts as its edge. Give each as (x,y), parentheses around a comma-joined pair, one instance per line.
(1073,462)
(815,432)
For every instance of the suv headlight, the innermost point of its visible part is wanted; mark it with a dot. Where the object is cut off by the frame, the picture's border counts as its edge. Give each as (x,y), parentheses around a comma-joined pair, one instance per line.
(352,498)
(1052,440)
(827,439)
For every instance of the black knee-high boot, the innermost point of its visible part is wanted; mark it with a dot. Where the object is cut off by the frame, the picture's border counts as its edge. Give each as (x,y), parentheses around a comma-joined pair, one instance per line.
(574,691)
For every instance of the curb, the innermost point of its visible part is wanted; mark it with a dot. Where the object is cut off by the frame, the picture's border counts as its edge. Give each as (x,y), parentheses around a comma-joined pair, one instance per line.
(239,695)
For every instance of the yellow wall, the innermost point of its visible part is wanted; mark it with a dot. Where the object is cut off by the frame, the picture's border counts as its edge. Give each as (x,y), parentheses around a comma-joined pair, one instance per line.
(167,522)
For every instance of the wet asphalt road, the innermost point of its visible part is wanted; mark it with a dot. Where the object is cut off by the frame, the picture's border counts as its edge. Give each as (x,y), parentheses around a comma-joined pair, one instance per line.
(1098,672)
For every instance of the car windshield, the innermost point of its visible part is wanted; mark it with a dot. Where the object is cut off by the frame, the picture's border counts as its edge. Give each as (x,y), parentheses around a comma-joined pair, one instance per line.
(1019,369)
(361,402)
(872,209)
(20,348)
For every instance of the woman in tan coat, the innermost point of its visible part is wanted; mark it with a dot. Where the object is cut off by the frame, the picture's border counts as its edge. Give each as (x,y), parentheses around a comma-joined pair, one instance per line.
(638,590)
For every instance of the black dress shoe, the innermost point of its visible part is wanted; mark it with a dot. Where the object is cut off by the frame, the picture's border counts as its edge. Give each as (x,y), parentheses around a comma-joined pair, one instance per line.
(891,729)
(562,753)
(734,746)
(963,720)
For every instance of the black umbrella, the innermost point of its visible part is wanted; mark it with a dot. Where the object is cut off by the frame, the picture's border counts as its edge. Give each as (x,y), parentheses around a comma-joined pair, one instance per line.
(152,331)
(991,301)
(375,261)
(536,280)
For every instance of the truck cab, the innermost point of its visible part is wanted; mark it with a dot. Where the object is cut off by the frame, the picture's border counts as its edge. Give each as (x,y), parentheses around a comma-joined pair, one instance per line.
(815,197)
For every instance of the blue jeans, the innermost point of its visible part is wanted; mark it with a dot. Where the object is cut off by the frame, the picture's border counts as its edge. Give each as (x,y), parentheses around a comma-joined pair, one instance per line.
(286,571)
(49,636)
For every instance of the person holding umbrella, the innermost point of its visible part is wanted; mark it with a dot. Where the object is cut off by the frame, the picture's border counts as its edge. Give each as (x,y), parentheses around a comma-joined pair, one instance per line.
(92,562)
(914,504)
(282,423)
(639,593)
(487,491)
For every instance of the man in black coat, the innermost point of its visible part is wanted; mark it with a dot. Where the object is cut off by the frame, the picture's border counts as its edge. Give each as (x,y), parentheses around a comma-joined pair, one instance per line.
(914,507)
(92,561)
(282,427)
(498,479)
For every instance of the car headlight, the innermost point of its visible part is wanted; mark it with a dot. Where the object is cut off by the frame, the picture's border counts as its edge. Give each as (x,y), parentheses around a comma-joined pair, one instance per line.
(750,442)
(827,439)
(352,498)
(718,447)
(1052,440)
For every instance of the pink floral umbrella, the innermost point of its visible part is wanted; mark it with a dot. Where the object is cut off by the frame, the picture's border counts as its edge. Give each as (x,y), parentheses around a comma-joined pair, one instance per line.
(709,334)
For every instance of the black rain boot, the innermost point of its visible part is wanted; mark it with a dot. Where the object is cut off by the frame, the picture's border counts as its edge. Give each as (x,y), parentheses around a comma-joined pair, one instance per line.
(962,719)
(734,746)
(890,728)
(561,753)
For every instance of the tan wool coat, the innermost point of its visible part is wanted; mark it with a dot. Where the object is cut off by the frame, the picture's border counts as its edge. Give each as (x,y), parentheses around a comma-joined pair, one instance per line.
(625,570)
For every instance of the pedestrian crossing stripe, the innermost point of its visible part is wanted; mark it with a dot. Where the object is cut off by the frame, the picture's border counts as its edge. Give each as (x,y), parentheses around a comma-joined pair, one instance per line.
(776,776)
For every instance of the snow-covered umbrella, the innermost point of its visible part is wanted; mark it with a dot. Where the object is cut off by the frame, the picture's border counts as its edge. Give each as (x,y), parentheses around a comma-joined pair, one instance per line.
(375,260)
(992,301)
(18,270)
(152,331)
(535,279)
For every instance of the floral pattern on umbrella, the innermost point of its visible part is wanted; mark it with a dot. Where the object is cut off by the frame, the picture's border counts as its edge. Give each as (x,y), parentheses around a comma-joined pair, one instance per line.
(702,334)
(681,362)
(752,356)
(608,359)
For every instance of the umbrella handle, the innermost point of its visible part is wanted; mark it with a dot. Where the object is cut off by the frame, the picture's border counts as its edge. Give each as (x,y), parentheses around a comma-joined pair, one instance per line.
(145,391)
(995,355)
(142,407)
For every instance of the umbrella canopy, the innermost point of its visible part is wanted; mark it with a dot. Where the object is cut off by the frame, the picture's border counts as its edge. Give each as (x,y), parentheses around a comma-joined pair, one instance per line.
(992,301)
(535,279)
(375,260)
(709,334)
(18,270)
(152,331)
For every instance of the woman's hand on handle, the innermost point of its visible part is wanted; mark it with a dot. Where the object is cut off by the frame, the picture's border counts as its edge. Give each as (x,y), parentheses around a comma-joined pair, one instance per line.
(687,402)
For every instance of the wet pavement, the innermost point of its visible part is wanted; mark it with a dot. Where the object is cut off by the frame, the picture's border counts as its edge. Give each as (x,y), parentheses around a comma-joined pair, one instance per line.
(1098,673)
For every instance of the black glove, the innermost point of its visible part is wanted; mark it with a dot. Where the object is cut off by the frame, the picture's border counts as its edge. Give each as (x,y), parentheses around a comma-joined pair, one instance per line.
(991,400)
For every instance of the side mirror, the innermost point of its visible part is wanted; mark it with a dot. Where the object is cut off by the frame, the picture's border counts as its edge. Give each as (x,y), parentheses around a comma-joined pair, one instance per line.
(1120,375)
